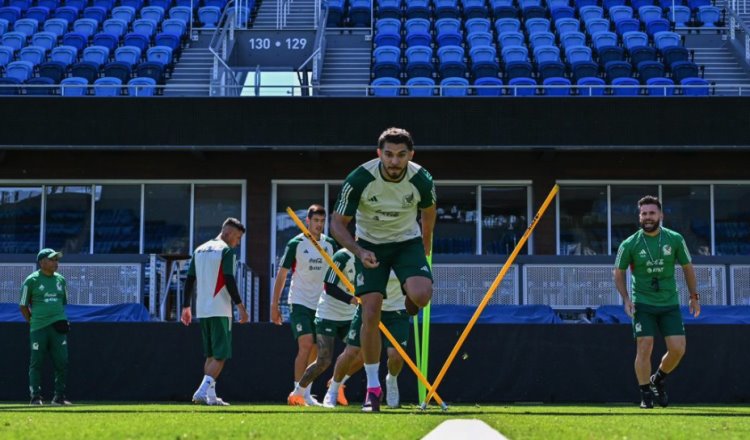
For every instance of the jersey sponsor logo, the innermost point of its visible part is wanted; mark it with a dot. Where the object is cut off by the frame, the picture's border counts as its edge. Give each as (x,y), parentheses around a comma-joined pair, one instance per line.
(392,214)
(666,249)
(35,346)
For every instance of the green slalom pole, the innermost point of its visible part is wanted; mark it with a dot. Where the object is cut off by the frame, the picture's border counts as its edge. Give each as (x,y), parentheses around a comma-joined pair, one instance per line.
(425,358)
(421,390)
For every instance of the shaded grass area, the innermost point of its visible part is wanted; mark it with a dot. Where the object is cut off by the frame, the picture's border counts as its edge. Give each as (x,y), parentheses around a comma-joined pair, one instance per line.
(265,421)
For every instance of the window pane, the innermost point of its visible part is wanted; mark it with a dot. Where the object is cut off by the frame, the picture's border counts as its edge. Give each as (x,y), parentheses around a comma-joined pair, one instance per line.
(213,204)
(687,210)
(167,222)
(117,219)
(624,199)
(504,219)
(583,220)
(455,231)
(68,219)
(20,212)
(732,216)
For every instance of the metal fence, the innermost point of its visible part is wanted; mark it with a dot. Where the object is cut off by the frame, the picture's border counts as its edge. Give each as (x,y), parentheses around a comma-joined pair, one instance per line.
(740,282)
(12,276)
(569,286)
(458,284)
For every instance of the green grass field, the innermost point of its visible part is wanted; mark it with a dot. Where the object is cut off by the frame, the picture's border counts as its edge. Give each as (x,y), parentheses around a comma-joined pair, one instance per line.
(263,421)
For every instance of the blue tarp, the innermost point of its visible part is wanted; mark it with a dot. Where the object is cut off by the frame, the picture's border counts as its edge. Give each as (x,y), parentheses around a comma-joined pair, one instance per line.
(534,314)
(76,313)
(615,314)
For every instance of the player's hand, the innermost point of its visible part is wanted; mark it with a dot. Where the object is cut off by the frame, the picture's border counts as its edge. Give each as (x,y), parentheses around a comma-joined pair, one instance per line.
(276,314)
(243,315)
(368,258)
(354,301)
(694,306)
(187,316)
(629,308)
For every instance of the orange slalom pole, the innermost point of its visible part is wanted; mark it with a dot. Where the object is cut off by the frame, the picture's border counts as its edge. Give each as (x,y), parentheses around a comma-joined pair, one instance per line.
(351,289)
(491,292)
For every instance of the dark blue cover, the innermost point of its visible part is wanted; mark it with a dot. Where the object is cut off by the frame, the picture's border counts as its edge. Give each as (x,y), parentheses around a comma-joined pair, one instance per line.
(615,314)
(114,313)
(532,314)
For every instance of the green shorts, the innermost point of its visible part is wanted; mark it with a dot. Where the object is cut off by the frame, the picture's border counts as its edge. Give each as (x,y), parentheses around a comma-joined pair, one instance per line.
(396,322)
(334,329)
(667,319)
(217,337)
(302,320)
(406,258)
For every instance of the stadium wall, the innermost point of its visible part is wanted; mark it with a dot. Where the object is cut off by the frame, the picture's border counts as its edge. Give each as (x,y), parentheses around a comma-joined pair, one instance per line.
(498,363)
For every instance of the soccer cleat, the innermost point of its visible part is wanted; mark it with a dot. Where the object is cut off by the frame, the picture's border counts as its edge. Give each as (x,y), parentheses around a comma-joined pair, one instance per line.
(311,401)
(659,392)
(329,401)
(372,401)
(60,400)
(217,402)
(647,399)
(200,397)
(36,400)
(294,400)
(391,392)
(341,398)
(411,308)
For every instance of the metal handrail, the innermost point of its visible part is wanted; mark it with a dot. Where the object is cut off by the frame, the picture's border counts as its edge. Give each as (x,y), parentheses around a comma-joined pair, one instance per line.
(734,21)
(320,47)
(222,41)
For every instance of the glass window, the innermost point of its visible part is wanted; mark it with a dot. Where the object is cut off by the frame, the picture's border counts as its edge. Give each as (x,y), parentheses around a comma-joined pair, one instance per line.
(455,229)
(299,198)
(167,219)
(624,206)
(504,212)
(583,220)
(732,217)
(68,218)
(687,210)
(213,204)
(20,215)
(117,219)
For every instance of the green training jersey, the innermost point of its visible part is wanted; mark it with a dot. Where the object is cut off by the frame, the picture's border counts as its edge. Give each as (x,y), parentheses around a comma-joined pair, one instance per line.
(386,212)
(46,296)
(651,261)
(329,307)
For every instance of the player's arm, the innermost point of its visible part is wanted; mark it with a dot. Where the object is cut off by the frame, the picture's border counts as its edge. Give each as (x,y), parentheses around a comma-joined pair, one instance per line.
(187,294)
(346,208)
(228,264)
(334,291)
(427,206)
(25,300)
(429,215)
(26,312)
(619,273)
(340,231)
(331,280)
(694,303)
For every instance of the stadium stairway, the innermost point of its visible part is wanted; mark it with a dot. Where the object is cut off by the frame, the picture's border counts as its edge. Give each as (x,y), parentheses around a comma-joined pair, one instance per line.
(722,64)
(301,15)
(346,63)
(192,74)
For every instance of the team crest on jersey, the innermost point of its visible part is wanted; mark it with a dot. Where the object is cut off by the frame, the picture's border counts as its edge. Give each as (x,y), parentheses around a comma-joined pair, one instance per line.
(59,285)
(408,200)
(352,334)
(666,250)
(638,327)
(35,346)
(41,287)
(360,280)
(299,327)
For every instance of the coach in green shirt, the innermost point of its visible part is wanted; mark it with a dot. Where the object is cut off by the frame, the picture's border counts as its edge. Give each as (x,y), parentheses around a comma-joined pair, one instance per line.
(651,254)
(43,300)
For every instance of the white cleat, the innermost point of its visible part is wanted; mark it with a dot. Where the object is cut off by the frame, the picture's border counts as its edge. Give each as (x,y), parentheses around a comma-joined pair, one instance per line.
(217,402)
(329,401)
(312,401)
(391,392)
(199,397)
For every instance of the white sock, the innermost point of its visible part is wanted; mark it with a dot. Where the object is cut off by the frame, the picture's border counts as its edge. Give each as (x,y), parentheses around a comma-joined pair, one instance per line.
(371,370)
(299,390)
(211,392)
(307,390)
(207,381)
(389,376)
(334,388)
(343,381)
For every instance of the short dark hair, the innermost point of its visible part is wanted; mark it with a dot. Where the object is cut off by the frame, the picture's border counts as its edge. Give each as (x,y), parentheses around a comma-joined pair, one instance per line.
(233,222)
(396,135)
(649,200)
(316,209)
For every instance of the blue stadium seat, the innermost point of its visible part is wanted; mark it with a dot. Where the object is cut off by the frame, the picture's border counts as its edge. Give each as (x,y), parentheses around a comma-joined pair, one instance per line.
(649,69)
(684,69)
(174,26)
(578,54)
(535,25)
(129,55)
(26,26)
(634,39)
(388,32)
(484,63)
(389,9)
(709,16)
(540,39)
(153,13)
(10,14)
(6,55)
(387,62)
(20,70)
(511,39)
(566,25)
(359,13)
(648,13)
(531,12)
(38,13)
(595,86)
(97,13)
(572,39)
(85,70)
(14,40)
(627,25)
(522,86)
(68,13)
(418,9)
(182,13)
(504,25)
(479,39)
(584,69)
(98,55)
(562,12)
(136,39)
(10,86)
(419,62)
(165,4)
(141,86)
(160,54)
(335,13)
(518,69)
(604,39)
(595,26)
(475,9)
(107,86)
(386,86)
(145,27)
(620,12)
(473,25)
(505,12)
(115,26)
(118,69)
(57,26)
(421,86)
(33,54)
(642,53)
(79,5)
(454,86)
(105,39)
(209,16)
(488,86)
(446,9)
(86,26)
(75,39)
(617,69)
(66,55)
(696,4)
(23,5)
(694,86)
(544,54)
(625,86)
(55,70)
(551,69)
(40,86)
(638,4)
(609,4)
(680,15)
(673,54)
(515,53)
(151,69)
(4,26)
(657,25)
(451,61)
(590,12)
(418,32)
(49,4)
(610,53)
(557,86)
(663,40)
(448,32)
(660,87)
(74,86)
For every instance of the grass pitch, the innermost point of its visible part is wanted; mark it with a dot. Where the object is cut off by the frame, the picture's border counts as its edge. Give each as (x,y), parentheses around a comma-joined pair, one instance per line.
(262,421)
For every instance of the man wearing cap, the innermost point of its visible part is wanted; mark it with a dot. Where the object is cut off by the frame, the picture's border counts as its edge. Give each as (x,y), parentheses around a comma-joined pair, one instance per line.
(43,300)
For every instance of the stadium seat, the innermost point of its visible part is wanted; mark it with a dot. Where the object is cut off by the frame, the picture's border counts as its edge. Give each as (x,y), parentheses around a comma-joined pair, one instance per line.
(6,55)
(418,9)
(518,69)
(386,87)
(544,54)
(591,86)
(387,62)
(14,40)
(165,4)
(22,5)
(419,62)
(454,87)
(10,14)
(97,13)
(135,39)
(680,15)
(477,25)
(590,12)
(474,9)
(511,39)
(610,53)
(604,39)
(650,69)
(115,26)
(67,13)
(617,69)
(694,87)
(75,39)
(536,25)
(137,4)
(584,69)
(58,26)
(40,86)
(504,25)
(634,39)
(54,70)
(33,54)
(620,12)
(448,32)
(515,53)
(572,39)
(557,86)
(531,12)
(642,53)
(107,86)
(627,25)
(51,5)
(79,5)
(388,9)
(209,16)
(541,39)
(551,69)
(673,54)
(38,13)
(562,12)
(105,39)
(684,69)
(151,69)
(145,27)
(505,12)
(609,4)
(160,54)
(418,32)
(98,55)
(388,32)
(484,62)
(66,55)
(85,70)
(625,86)
(4,26)
(20,70)
(446,9)
(181,13)
(10,86)
(451,61)
(153,13)
(488,86)
(141,86)
(422,87)
(478,39)
(73,86)
(26,26)
(174,26)
(595,26)
(658,25)
(660,87)
(709,16)
(577,54)
(522,86)
(85,26)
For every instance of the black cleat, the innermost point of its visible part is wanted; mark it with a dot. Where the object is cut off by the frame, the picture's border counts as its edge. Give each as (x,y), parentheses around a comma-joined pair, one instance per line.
(36,400)
(659,392)
(372,402)
(60,400)
(411,308)
(647,399)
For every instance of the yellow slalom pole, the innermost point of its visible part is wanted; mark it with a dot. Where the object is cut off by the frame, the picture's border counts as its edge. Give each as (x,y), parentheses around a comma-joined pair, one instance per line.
(491,292)
(351,289)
